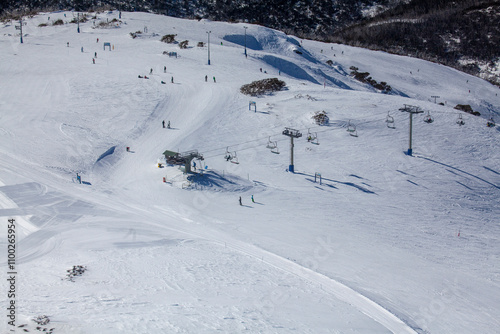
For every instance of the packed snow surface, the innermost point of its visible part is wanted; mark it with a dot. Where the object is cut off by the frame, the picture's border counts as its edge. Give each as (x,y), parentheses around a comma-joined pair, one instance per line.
(385,243)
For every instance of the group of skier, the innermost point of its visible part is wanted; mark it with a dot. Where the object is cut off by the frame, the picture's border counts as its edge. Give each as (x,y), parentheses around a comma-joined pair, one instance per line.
(253,201)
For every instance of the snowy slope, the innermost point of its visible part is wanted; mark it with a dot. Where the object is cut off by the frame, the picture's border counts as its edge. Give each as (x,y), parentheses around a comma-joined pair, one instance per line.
(386,243)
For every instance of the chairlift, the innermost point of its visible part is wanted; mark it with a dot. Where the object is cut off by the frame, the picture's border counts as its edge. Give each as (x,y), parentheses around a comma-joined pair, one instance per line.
(275,150)
(315,141)
(390,121)
(228,155)
(491,123)
(351,128)
(460,120)
(310,136)
(428,118)
(234,158)
(270,144)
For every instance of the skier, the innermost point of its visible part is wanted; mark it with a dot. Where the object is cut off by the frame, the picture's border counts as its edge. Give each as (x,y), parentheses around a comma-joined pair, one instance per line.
(253,200)
(97,40)
(172,80)
(93,60)
(163,123)
(164,69)
(151,71)
(67,44)
(240,201)
(78,178)
(214,79)
(168,125)
(95,54)
(82,48)
(206,78)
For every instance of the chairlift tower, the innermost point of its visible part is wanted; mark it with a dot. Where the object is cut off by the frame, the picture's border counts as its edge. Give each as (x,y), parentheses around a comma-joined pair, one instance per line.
(411,110)
(435,97)
(292,133)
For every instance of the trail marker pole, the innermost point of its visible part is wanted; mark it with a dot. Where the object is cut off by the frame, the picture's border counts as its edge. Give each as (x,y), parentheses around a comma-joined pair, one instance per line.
(292,133)
(20,27)
(411,110)
(245,40)
(208,32)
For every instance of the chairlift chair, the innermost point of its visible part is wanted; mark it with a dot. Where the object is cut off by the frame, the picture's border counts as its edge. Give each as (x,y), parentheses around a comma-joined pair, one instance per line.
(351,128)
(271,145)
(228,155)
(428,118)
(491,123)
(315,141)
(390,121)
(275,150)
(234,158)
(460,120)
(310,136)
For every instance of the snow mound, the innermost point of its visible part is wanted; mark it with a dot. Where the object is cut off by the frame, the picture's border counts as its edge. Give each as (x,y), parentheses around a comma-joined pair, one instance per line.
(251,42)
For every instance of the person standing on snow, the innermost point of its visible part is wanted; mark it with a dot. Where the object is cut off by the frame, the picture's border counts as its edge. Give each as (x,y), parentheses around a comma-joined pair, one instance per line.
(240,201)
(206,78)
(163,123)
(253,200)
(214,79)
